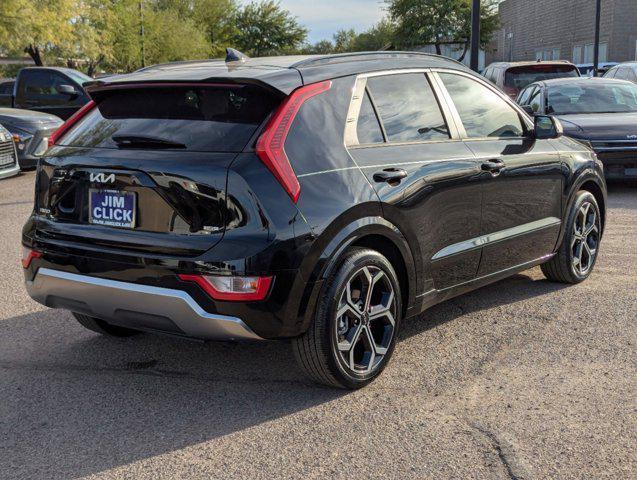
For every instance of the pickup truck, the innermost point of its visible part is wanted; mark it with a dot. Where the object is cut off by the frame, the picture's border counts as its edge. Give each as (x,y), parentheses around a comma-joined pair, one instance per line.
(54,90)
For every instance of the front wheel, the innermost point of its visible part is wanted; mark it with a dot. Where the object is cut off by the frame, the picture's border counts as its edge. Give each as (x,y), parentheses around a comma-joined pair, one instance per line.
(576,257)
(356,322)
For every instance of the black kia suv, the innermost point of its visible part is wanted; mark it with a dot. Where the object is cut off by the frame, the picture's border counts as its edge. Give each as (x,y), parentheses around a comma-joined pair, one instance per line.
(322,199)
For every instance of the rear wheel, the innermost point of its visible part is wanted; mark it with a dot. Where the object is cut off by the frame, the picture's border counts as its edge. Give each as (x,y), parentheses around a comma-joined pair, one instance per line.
(356,323)
(577,255)
(105,328)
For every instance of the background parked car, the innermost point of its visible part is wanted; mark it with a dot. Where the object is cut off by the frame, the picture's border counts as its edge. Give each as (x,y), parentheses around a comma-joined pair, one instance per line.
(623,71)
(31,131)
(514,76)
(8,158)
(59,91)
(601,112)
(586,69)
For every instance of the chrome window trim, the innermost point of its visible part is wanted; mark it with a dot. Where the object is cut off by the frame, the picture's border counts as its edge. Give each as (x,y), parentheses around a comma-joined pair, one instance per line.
(358,93)
(495,237)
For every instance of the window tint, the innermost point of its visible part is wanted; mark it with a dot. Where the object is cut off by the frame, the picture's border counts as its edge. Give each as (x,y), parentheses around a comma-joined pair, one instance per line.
(207,119)
(42,84)
(632,76)
(6,88)
(482,111)
(368,128)
(535,100)
(408,108)
(611,73)
(520,77)
(523,99)
(621,73)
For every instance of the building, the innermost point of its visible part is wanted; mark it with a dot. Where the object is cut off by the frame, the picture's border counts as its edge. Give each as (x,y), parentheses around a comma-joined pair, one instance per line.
(564,30)
(455,51)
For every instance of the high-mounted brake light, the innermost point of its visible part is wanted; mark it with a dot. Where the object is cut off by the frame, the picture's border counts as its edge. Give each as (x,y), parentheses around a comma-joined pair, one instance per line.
(66,126)
(28,255)
(231,288)
(271,144)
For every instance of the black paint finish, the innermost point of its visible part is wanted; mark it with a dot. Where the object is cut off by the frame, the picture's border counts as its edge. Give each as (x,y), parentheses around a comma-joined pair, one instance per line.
(226,213)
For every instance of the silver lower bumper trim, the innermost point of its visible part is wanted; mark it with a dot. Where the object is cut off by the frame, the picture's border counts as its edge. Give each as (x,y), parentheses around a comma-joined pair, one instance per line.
(132,304)
(10,171)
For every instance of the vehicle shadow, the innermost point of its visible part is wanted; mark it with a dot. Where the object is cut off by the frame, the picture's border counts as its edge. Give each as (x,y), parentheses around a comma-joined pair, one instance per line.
(76,404)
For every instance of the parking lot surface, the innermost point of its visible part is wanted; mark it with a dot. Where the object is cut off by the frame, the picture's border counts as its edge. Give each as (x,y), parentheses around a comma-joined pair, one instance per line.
(522,379)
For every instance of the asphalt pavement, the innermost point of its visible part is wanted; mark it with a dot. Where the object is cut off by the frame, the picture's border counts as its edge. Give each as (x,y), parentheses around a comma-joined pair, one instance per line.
(522,379)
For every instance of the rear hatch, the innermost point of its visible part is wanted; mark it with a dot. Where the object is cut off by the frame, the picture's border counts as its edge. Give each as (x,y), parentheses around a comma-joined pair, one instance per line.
(146,168)
(516,78)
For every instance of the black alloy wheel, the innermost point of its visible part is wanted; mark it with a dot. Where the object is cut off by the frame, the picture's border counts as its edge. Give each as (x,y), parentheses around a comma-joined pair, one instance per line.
(356,322)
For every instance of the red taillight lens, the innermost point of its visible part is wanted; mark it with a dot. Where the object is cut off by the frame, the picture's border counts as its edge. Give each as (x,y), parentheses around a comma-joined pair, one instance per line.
(66,126)
(232,288)
(28,255)
(271,144)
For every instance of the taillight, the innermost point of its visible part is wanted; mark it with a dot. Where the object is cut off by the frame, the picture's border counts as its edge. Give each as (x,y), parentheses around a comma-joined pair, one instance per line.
(66,126)
(28,255)
(271,144)
(231,288)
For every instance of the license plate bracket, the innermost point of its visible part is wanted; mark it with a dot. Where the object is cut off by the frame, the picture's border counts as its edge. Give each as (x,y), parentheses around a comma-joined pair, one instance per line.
(114,208)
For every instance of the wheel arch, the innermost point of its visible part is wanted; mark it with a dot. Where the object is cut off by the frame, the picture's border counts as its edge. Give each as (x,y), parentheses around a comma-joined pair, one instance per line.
(375,233)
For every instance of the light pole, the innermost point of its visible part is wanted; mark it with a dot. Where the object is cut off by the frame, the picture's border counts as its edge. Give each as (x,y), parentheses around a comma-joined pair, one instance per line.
(141,31)
(475,35)
(598,15)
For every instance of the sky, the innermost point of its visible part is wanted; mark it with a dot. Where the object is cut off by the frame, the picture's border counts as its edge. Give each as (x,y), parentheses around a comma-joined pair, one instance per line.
(324,17)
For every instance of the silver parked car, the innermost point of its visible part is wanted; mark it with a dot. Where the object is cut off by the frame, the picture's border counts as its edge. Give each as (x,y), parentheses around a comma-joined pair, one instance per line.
(8,156)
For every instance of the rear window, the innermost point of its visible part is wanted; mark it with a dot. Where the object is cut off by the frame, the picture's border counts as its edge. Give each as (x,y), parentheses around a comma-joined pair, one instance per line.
(520,77)
(207,119)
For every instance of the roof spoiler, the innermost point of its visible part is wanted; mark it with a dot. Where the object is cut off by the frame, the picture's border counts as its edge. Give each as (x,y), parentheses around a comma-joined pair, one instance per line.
(233,55)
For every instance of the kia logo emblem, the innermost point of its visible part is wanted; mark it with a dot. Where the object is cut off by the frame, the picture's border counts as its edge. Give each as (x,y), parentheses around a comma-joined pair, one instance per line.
(102,178)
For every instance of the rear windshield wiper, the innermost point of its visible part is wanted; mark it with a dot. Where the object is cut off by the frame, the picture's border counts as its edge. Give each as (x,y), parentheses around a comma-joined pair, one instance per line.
(140,141)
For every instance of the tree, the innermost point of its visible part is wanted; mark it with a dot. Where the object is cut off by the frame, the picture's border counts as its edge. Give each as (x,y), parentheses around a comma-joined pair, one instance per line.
(264,28)
(35,26)
(376,38)
(216,19)
(345,41)
(437,22)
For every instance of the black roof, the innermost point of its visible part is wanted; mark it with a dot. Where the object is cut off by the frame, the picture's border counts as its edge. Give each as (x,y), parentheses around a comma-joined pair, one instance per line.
(284,73)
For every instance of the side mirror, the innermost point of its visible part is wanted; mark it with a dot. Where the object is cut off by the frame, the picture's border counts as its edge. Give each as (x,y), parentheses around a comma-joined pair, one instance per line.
(68,90)
(528,109)
(546,126)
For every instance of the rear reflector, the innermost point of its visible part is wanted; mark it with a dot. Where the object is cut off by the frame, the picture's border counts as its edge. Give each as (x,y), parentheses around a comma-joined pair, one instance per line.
(271,144)
(66,126)
(232,288)
(28,255)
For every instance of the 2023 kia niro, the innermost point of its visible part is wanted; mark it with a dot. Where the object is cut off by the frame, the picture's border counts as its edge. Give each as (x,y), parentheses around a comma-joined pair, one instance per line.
(321,199)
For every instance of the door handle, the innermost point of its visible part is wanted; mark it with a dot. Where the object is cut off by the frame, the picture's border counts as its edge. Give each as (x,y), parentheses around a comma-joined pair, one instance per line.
(494,166)
(390,175)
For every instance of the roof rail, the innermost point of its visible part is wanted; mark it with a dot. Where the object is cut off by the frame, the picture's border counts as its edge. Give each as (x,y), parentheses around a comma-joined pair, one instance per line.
(355,56)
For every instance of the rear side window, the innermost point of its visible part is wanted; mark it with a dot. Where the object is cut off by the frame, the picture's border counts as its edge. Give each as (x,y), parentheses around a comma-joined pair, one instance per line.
(208,119)
(482,111)
(520,77)
(368,128)
(408,108)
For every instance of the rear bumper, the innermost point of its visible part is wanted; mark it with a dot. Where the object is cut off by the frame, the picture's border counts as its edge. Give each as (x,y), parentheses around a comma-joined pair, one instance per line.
(135,306)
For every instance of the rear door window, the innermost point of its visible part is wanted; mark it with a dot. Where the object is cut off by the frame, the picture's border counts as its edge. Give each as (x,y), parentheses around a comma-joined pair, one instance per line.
(221,119)
(408,108)
(482,111)
(368,129)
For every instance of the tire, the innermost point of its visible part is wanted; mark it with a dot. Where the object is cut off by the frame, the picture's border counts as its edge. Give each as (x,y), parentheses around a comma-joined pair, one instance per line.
(353,334)
(102,327)
(576,257)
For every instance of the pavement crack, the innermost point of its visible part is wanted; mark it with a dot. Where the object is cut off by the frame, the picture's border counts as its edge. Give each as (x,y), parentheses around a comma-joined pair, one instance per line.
(505,453)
